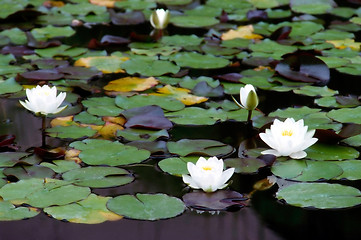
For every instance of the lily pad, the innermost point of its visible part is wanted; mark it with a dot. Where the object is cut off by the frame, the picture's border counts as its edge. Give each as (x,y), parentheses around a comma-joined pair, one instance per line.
(8,212)
(331,152)
(150,67)
(320,195)
(167,103)
(193,21)
(351,169)
(9,159)
(196,60)
(70,132)
(176,166)
(218,201)
(202,147)
(60,166)
(245,165)
(146,206)
(102,106)
(28,172)
(91,210)
(132,134)
(347,115)
(98,177)
(112,153)
(128,84)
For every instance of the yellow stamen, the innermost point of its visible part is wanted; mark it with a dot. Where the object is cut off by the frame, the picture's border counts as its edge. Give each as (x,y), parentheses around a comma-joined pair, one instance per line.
(207,168)
(287,133)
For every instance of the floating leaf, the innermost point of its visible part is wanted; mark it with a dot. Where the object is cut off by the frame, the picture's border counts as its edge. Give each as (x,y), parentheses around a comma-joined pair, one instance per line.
(320,195)
(347,115)
(149,67)
(9,159)
(193,21)
(181,40)
(167,103)
(60,166)
(98,177)
(106,64)
(203,147)
(102,106)
(43,192)
(331,152)
(176,166)
(221,200)
(70,132)
(196,116)
(181,94)
(9,212)
(28,172)
(112,153)
(128,84)
(91,210)
(146,206)
(351,169)
(132,134)
(196,60)
(245,165)
(345,43)
(312,6)
(244,32)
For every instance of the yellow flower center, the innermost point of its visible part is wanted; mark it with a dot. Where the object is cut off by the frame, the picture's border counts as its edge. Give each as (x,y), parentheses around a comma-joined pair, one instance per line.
(287,133)
(207,168)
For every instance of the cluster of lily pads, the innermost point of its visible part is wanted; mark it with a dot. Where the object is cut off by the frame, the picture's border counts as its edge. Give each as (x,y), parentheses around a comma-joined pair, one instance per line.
(127,90)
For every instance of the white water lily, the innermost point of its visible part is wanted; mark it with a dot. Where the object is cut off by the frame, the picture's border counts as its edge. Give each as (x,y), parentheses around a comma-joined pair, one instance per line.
(248,96)
(43,100)
(207,175)
(159,18)
(288,138)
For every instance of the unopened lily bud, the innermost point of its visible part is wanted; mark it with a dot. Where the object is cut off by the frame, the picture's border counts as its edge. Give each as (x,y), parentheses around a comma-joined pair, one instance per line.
(248,96)
(159,18)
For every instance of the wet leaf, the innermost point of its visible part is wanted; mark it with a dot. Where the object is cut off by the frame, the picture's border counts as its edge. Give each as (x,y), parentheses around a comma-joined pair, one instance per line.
(98,177)
(70,132)
(312,6)
(102,106)
(351,169)
(43,192)
(196,116)
(60,166)
(132,134)
(244,32)
(9,159)
(218,201)
(91,210)
(331,152)
(193,21)
(180,94)
(113,153)
(128,84)
(149,67)
(181,40)
(146,206)
(347,115)
(29,172)
(196,60)
(9,212)
(202,147)
(245,165)
(167,103)
(320,195)
(106,64)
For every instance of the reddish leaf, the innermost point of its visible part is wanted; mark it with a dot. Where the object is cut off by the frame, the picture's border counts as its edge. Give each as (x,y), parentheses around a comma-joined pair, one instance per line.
(110,39)
(203,89)
(281,33)
(304,67)
(127,18)
(78,72)
(45,154)
(41,75)
(49,63)
(218,201)
(17,51)
(32,42)
(229,77)
(257,15)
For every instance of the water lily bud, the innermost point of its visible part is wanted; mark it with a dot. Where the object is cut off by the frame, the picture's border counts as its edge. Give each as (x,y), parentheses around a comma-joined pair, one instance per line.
(43,100)
(159,18)
(207,175)
(288,138)
(249,98)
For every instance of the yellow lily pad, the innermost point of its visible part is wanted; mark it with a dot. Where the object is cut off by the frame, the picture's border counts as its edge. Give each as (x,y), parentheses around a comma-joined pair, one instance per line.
(345,43)
(245,32)
(128,84)
(181,94)
(103,3)
(106,64)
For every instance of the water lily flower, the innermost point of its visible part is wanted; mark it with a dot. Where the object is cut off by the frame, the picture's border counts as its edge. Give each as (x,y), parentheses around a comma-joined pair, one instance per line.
(207,175)
(248,96)
(159,18)
(43,100)
(288,138)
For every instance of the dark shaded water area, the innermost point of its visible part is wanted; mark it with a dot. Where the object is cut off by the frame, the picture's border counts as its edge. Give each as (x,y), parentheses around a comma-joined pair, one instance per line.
(265,218)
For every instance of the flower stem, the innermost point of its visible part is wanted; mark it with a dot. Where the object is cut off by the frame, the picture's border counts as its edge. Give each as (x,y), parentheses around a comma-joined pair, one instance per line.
(43,133)
(249,116)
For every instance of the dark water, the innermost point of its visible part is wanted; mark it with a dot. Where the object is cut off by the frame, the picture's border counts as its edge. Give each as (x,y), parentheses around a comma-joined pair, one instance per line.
(265,219)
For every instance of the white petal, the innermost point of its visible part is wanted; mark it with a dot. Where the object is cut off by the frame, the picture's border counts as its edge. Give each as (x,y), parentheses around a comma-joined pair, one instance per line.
(189,181)
(226,175)
(271,151)
(298,155)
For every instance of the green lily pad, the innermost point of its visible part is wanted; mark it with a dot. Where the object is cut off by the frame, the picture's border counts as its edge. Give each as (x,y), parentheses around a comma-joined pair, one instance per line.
(149,67)
(331,152)
(60,166)
(193,21)
(112,153)
(196,116)
(267,3)
(351,169)
(320,195)
(176,166)
(203,147)
(82,8)
(135,5)
(132,134)
(244,165)
(15,35)
(43,34)
(62,50)
(87,118)
(296,113)
(317,170)
(43,192)
(146,206)
(196,60)
(98,177)
(347,115)
(8,8)
(181,40)
(102,106)
(9,159)
(353,141)
(167,103)
(9,86)
(70,132)
(8,212)
(314,91)
(27,172)
(302,28)
(91,210)
(312,6)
